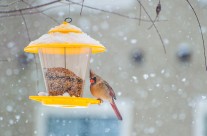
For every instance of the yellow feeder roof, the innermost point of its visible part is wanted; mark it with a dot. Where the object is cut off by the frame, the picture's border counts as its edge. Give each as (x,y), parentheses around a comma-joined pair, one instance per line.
(65,36)
(65,101)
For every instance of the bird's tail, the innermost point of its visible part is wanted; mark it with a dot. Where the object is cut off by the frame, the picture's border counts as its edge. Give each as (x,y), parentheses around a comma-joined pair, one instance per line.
(113,105)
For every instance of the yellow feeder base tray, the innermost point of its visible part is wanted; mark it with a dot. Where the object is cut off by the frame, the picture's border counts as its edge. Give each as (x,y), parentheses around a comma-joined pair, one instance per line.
(65,101)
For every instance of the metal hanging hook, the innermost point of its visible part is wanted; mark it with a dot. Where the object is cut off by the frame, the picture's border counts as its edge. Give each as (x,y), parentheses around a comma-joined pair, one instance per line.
(68,19)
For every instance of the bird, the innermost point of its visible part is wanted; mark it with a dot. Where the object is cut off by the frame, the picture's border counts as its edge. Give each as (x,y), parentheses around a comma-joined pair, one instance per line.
(103,91)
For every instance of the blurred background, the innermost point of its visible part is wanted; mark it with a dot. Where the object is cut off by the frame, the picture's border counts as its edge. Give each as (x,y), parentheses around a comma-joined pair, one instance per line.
(158,93)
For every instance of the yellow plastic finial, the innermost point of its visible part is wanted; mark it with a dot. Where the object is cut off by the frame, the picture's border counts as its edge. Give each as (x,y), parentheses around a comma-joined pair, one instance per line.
(65,27)
(65,22)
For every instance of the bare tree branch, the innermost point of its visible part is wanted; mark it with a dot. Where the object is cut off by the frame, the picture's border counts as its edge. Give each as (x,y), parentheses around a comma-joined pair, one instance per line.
(140,13)
(69,9)
(4,60)
(25,23)
(111,12)
(43,13)
(82,7)
(29,13)
(158,9)
(153,25)
(204,48)
(16,12)
(30,8)
(11,3)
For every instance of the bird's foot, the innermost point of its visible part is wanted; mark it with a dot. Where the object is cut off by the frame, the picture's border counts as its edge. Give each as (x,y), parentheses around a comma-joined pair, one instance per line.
(100,100)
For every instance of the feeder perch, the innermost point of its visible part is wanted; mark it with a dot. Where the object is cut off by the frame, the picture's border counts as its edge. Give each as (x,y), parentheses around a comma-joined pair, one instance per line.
(64,55)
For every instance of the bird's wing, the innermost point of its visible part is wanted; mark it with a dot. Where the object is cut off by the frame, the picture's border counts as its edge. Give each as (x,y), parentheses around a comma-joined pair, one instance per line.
(111,91)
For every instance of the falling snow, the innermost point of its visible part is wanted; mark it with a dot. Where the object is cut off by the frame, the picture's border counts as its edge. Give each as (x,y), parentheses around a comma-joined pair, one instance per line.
(203,97)
(145,76)
(9,108)
(133,41)
(119,93)
(9,72)
(154,96)
(184,79)
(152,75)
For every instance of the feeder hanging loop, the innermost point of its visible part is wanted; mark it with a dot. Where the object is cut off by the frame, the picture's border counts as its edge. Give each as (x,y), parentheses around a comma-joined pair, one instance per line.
(68,19)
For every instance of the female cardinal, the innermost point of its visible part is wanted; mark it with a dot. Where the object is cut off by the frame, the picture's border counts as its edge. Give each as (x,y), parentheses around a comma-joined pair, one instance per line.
(103,91)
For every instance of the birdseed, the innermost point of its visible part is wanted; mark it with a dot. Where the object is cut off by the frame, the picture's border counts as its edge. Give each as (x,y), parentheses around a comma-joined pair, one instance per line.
(61,80)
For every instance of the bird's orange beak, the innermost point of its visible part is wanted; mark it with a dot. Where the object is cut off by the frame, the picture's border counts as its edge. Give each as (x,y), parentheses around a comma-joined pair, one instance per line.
(92,81)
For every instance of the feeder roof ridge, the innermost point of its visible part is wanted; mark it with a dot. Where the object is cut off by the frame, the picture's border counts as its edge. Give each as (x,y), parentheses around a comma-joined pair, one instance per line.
(65,28)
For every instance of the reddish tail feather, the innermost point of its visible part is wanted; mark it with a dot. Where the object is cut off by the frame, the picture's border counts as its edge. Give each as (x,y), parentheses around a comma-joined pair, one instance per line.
(113,105)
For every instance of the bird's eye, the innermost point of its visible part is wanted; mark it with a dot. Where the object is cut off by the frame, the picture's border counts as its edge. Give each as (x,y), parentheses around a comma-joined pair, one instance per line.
(94,78)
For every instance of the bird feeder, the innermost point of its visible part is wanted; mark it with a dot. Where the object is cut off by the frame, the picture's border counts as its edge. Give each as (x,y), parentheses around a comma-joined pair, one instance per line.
(64,56)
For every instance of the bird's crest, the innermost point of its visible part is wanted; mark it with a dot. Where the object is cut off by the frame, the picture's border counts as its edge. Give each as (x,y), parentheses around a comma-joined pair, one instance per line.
(92,74)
